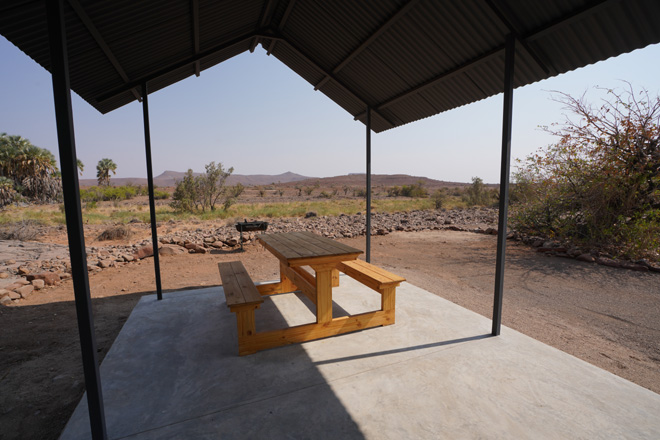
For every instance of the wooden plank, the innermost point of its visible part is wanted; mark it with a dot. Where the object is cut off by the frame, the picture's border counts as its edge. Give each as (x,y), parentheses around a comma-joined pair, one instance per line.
(329,245)
(335,278)
(377,272)
(388,299)
(250,292)
(309,277)
(369,275)
(323,296)
(246,328)
(269,288)
(309,332)
(384,273)
(321,239)
(305,246)
(287,283)
(233,294)
(295,245)
(301,281)
(246,325)
(331,259)
(278,247)
(237,284)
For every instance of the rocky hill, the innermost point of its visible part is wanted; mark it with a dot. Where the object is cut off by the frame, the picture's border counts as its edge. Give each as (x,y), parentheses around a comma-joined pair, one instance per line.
(169,178)
(384,180)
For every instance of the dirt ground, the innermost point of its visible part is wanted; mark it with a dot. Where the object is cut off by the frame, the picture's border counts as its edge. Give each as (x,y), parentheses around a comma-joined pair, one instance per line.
(605,316)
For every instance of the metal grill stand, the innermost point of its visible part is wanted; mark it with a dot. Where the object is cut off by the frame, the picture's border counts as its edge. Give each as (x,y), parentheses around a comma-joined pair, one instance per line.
(250,227)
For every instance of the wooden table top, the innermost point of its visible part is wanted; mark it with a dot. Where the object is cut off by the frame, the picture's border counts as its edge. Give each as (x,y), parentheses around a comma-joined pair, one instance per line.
(305,248)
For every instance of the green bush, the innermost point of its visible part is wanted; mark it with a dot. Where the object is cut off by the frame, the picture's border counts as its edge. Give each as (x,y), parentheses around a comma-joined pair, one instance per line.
(415,190)
(106,193)
(161,195)
(439,198)
(205,191)
(478,195)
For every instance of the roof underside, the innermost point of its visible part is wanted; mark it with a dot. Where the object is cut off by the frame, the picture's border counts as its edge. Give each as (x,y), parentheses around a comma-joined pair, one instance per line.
(407,60)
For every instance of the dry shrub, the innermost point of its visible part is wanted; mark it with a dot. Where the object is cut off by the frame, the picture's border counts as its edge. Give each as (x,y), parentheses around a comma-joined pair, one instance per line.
(116,232)
(25,230)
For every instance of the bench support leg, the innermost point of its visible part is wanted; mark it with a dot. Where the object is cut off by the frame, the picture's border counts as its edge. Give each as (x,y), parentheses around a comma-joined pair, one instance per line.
(246,327)
(387,301)
(323,294)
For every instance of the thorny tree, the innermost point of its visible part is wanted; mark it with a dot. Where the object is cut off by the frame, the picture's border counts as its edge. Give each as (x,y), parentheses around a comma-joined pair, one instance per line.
(600,184)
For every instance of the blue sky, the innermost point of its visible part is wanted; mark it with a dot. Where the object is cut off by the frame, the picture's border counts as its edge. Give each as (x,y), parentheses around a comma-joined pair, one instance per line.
(253,103)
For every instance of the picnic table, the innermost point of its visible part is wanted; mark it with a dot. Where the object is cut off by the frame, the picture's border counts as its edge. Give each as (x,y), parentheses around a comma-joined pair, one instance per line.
(327,258)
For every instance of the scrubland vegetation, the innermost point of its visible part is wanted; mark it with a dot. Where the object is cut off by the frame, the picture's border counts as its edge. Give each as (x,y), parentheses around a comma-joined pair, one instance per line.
(598,186)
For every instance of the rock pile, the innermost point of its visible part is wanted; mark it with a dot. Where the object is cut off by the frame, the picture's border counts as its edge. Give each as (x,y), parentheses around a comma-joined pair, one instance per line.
(478,220)
(556,249)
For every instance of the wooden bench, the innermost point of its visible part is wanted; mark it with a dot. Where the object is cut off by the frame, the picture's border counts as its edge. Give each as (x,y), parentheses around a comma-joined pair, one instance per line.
(376,278)
(243,298)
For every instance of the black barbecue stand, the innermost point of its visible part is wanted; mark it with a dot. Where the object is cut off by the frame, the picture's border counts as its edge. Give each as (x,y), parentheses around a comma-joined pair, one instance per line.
(247,226)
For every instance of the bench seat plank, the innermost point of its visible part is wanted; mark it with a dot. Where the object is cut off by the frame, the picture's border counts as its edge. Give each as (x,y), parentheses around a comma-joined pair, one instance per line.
(370,275)
(239,288)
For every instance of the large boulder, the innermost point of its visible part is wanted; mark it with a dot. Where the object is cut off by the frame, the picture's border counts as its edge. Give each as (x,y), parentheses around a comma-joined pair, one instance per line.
(50,278)
(145,251)
(231,242)
(171,249)
(25,291)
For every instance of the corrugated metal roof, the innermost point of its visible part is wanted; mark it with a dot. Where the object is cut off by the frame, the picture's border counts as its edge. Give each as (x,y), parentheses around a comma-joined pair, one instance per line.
(407,60)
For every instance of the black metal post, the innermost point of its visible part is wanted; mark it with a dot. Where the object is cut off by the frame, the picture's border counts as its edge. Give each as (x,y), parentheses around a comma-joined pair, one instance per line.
(150,184)
(504,181)
(74,222)
(368,227)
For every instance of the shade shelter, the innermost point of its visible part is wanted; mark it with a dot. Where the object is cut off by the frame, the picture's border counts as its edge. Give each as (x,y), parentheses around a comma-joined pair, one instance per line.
(387,63)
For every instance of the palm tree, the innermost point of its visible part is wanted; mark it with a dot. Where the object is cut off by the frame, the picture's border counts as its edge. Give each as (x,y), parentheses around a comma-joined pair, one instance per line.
(81,166)
(103,169)
(19,159)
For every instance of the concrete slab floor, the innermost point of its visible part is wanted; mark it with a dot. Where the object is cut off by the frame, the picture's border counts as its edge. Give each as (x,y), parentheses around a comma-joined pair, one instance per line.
(173,373)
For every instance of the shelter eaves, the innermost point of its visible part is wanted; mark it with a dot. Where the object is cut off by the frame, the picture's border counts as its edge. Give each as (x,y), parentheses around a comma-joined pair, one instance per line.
(406,60)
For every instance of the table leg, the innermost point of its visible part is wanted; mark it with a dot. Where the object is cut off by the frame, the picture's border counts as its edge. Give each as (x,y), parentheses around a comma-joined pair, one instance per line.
(286,285)
(323,293)
(335,278)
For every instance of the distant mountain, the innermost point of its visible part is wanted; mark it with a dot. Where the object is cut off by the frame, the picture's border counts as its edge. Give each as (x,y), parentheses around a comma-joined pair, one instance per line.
(386,180)
(265,179)
(169,178)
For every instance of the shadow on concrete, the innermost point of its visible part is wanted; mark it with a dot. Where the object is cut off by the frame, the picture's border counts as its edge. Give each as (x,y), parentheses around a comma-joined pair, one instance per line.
(174,372)
(405,349)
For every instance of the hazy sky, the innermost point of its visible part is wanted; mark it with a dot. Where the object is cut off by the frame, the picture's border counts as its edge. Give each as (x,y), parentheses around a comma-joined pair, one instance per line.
(256,115)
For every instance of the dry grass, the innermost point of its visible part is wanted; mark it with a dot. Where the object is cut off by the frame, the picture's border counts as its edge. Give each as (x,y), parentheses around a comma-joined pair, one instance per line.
(116,232)
(24,230)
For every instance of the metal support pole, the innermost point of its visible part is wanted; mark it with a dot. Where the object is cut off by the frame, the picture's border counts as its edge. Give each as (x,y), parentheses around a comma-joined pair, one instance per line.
(74,222)
(368,227)
(504,181)
(150,184)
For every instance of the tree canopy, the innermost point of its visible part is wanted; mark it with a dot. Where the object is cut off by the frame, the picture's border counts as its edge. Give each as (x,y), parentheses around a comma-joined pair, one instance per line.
(32,171)
(206,190)
(103,170)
